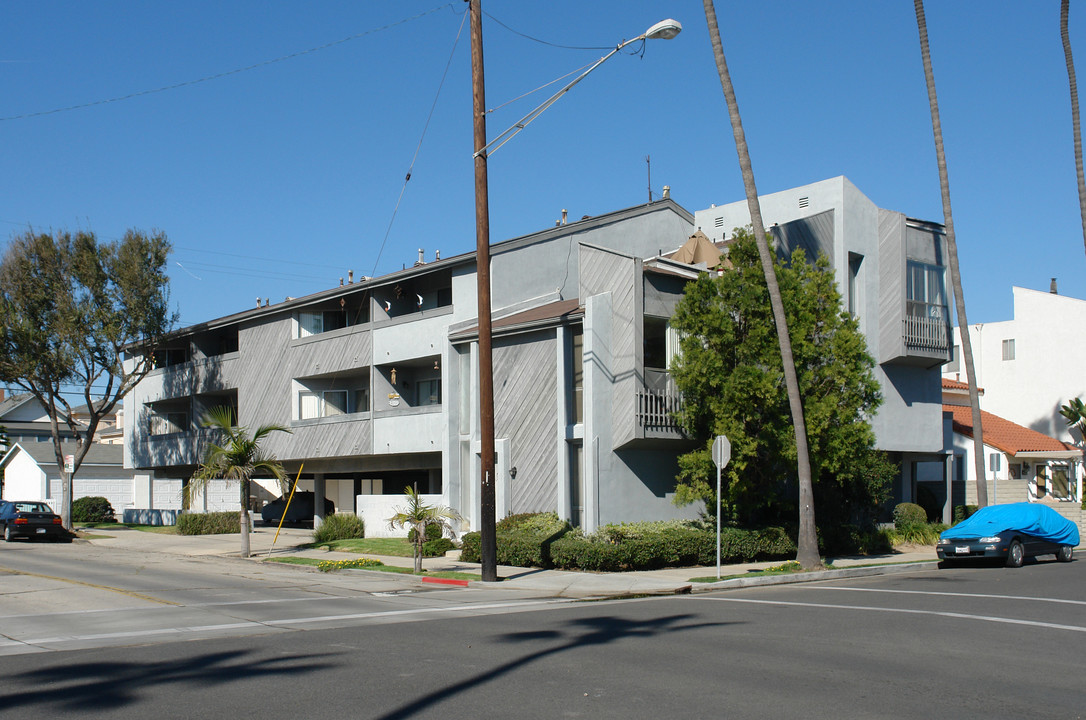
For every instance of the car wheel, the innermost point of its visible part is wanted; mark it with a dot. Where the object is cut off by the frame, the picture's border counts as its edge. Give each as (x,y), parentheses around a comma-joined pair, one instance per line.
(1065,553)
(8,537)
(1016,554)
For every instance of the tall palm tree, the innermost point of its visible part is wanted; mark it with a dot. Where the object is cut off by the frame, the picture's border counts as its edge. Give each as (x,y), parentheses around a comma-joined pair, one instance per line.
(952,254)
(807,554)
(239,458)
(418,515)
(1064,10)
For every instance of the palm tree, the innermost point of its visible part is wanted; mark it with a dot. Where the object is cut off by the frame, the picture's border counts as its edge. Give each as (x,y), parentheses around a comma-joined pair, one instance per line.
(807,554)
(1074,412)
(1064,10)
(418,515)
(952,254)
(239,457)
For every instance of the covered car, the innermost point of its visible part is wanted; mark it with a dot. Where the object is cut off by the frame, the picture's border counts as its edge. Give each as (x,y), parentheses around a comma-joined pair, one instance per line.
(1011,533)
(31,519)
(300,511)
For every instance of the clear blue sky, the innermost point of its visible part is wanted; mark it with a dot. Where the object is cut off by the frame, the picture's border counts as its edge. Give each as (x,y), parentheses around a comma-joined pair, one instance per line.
(276,180)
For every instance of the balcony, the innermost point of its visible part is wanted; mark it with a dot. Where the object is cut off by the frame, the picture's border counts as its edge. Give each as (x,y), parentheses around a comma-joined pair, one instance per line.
(926,333)
(657,403)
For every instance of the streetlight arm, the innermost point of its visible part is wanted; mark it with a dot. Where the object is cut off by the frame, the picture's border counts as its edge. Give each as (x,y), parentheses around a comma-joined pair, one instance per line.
(665,30)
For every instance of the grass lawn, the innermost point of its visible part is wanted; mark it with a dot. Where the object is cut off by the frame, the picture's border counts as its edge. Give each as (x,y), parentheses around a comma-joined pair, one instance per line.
(396,547)
(447,574)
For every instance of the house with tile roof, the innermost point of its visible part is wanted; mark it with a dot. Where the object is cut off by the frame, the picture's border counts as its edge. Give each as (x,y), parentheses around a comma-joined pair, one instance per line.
(1031,364)
(1021,463)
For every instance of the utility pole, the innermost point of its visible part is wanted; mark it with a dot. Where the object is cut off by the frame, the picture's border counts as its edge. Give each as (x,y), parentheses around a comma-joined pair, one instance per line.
(488,542)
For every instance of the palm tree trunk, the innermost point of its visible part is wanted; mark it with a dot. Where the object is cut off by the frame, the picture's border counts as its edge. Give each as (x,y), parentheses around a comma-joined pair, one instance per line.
(807,554)
(1064,10)
(952,254)
(244,519)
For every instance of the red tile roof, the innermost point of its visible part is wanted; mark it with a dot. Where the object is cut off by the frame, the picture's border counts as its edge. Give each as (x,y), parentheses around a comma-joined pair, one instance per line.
(949,384)
(1003,434)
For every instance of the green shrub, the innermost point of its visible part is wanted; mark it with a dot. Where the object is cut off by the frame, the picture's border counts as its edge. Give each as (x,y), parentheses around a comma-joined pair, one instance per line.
(469,547)
(437,548)
(853,540)
(341,526)
(213,523)
(92,509)
(918,533)
(961,512)
(433,532)
(523,540)
(907,514)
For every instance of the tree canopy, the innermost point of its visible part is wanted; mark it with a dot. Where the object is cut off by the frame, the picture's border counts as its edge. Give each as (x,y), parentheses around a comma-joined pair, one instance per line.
(69,306)
(729,371)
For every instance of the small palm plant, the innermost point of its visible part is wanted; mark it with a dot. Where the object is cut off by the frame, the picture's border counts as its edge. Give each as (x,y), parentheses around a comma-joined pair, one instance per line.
(239,458)
(1074,412)
(418,515)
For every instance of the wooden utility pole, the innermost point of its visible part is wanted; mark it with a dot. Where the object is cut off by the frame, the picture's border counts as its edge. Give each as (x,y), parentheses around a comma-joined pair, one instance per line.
(487,519)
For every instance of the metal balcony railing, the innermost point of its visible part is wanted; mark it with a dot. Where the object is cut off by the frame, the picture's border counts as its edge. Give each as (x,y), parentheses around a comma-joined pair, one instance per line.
(926,333)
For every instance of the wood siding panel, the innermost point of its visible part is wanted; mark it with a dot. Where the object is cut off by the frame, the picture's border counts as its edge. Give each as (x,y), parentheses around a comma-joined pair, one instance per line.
(891,286)
(603,271)
(525,412)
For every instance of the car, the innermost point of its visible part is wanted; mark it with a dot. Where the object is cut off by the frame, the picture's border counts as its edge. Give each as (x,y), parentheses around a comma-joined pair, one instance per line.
(31,519)
(300,511)
(1010,532)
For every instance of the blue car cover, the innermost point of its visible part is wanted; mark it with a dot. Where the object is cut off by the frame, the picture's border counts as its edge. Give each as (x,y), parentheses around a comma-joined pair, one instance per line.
(1029,518)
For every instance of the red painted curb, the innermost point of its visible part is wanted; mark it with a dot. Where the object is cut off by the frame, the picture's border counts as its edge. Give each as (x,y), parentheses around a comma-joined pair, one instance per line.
(445,581)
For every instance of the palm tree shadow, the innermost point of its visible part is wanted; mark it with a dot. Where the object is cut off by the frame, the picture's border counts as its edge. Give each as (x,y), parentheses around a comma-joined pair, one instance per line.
(114,685)
(582,632)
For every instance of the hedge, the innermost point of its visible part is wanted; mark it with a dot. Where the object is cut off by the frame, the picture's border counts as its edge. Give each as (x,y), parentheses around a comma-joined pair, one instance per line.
(549,542)
(212,523)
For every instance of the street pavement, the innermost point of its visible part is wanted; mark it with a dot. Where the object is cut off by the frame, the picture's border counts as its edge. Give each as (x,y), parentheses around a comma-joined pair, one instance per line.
(267,544)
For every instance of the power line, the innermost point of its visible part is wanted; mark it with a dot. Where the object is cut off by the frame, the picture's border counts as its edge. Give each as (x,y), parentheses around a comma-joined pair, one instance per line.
(227,73)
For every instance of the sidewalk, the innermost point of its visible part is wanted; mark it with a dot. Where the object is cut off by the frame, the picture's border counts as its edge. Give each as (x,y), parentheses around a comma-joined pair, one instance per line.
(549,583)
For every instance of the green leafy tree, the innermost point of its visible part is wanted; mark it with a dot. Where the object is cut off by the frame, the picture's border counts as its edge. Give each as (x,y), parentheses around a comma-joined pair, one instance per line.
(419,515)
(730,373)
(238,457)
(69,306)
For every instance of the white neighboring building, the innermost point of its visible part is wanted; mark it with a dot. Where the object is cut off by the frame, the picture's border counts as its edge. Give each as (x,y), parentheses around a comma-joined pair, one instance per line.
(1030,365)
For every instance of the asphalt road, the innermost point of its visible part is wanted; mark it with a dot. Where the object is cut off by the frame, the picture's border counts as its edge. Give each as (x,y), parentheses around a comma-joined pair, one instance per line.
(962,643)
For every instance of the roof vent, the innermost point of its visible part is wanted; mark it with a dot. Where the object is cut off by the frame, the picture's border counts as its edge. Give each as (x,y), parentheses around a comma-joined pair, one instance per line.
(804,202)
(718,222)
(1052,287)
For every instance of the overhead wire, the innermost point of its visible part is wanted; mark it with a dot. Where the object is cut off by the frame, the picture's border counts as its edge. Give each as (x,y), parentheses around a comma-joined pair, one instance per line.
(227,73)
(418,147)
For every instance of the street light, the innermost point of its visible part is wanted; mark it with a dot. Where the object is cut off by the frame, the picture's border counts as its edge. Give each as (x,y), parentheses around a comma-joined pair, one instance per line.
(664,30)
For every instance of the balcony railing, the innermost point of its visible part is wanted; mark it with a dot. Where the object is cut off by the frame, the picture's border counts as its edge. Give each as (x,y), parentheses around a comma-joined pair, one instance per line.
(926,333)
(656,409)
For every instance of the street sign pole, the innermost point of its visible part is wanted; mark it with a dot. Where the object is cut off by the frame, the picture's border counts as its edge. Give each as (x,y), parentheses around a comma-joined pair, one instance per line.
(722,453)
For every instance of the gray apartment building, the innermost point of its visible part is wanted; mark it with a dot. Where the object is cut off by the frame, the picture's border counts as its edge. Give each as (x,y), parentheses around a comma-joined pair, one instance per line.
(377,378)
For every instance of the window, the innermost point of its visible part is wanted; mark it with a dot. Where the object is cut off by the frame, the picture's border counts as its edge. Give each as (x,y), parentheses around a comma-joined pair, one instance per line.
(429,391)
(661,343)
(577,374)
(169,422)
(314,323)
(854,263)
(1008,349)
(328,403)
(925,290)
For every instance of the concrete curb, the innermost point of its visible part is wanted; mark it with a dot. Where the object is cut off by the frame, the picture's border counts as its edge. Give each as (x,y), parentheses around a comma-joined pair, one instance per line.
(835,574)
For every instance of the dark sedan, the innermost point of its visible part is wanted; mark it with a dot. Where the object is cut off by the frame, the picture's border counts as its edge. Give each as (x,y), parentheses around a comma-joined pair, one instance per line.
(300,511)
(1010,533)
(31,519)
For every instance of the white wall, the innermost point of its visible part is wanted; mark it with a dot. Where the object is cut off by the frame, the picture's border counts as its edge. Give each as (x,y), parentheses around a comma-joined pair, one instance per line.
(1046,372)
(375,510)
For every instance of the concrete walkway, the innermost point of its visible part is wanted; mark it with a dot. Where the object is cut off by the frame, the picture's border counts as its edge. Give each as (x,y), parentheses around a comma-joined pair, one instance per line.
(549,583)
